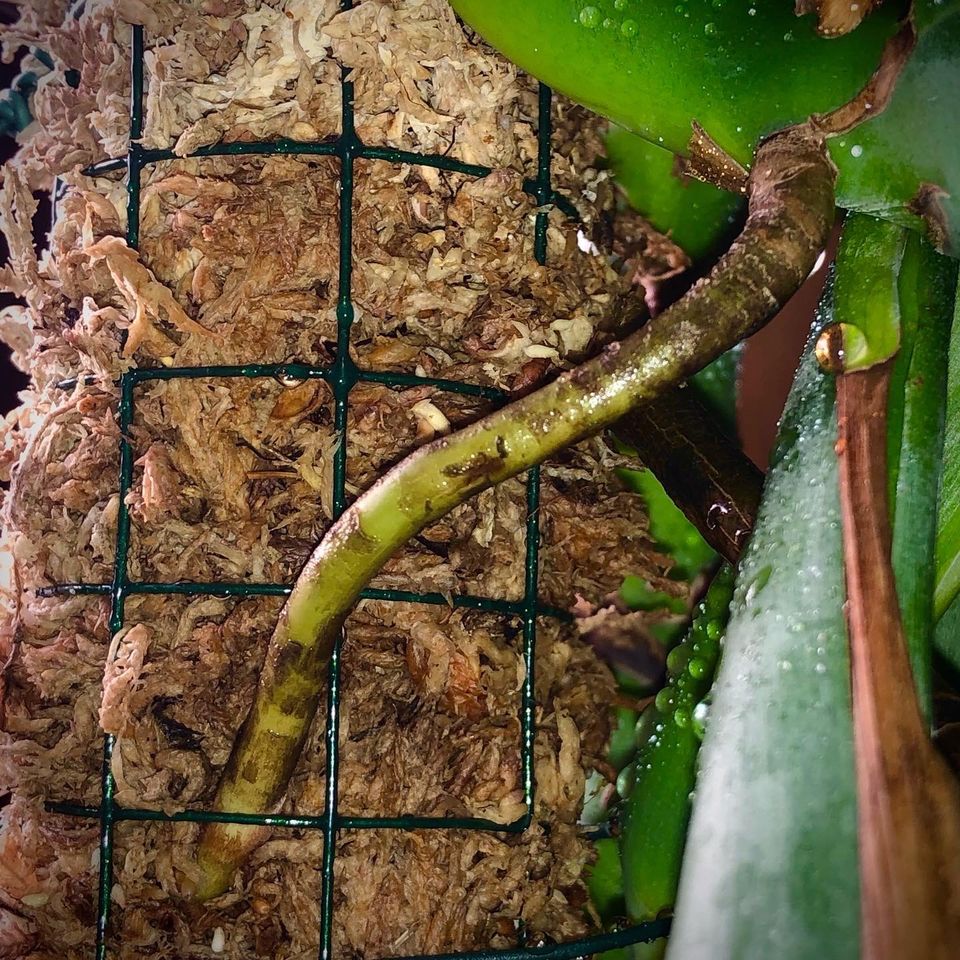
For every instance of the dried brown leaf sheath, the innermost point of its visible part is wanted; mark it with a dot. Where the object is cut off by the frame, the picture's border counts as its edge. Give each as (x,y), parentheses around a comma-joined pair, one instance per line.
(909,802)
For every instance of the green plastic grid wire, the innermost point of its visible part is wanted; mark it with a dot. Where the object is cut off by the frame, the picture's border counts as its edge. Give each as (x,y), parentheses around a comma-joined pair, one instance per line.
(341,375)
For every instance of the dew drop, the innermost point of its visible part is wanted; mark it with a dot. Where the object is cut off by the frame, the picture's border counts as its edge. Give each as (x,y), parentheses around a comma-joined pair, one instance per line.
(701,713)
(709,29)
(788,36)
(856,150)
(629,28)
(697,668)
(786,666)
(821,668)
(619,4)
(676,660)
(664,700)
(681,717)
(590,16)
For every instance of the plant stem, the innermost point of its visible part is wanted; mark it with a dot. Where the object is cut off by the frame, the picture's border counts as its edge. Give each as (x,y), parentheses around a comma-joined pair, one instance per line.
(715,485)
(791,211)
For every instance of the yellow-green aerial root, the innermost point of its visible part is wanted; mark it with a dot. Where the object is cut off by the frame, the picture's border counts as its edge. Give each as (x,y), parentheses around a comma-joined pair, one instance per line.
(791,211)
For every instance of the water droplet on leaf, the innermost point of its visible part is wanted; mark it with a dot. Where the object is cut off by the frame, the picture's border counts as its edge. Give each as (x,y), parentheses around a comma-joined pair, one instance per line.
(697,668)
(590,16)
(664,700)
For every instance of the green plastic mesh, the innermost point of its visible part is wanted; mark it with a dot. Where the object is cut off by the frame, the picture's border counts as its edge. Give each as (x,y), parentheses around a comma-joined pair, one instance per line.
(341,375)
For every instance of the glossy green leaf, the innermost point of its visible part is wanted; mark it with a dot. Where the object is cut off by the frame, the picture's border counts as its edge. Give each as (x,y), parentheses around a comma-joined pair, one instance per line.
(770,868)
(909,152)
(743,69)
(605,881)
(656,811)
(948,524)
(700,218)
(672,531)
(656,66)
(717,386)
(926,289)
(867,307)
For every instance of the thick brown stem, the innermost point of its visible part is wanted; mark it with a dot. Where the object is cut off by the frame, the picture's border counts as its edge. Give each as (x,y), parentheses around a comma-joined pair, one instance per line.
(908,801)
(716,486)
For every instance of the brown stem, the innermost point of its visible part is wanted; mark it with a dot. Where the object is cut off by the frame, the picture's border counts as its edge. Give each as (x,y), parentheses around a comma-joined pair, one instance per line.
(908,801)
(705,474)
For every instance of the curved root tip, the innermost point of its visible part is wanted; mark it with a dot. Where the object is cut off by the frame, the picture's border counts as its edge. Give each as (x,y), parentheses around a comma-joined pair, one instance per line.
(216,877)
(215,880)
(215,873)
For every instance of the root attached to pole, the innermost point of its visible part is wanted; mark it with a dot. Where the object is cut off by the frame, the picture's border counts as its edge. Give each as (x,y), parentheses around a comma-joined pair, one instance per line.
(791,212)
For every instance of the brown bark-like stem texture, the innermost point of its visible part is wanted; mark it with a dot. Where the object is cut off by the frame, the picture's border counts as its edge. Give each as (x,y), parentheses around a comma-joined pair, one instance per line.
(705,474)
(908,801)
(791,211)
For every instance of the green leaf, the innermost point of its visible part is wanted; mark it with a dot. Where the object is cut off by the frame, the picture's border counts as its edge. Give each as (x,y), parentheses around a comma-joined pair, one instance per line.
(926,289)
(605,881)
(771,865)
(948,525)
(623,740)
(908,153)
(716,385)
(744,69)
(700,218)
(867,306)
(947,636)
(659,66)
(637,594)
(672,531)
(657,808)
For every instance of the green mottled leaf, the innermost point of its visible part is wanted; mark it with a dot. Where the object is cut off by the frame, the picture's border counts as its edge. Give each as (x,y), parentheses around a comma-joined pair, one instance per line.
(770,868)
